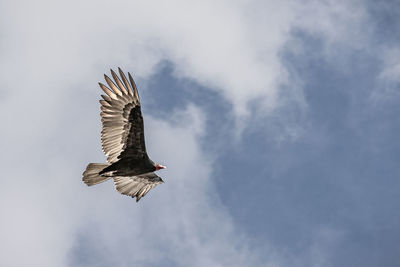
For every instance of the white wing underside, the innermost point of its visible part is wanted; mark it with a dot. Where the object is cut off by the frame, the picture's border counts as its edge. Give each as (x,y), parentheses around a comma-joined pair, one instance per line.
(136,186)
(115,113)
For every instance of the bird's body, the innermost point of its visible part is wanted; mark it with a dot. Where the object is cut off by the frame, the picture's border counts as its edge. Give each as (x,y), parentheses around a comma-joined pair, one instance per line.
(130,167)
(123,141)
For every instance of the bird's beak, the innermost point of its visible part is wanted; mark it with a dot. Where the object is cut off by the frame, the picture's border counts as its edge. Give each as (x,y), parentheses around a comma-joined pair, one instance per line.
(159,167)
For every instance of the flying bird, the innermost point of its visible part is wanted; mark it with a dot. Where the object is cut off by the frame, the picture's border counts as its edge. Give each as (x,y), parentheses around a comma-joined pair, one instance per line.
(122,139)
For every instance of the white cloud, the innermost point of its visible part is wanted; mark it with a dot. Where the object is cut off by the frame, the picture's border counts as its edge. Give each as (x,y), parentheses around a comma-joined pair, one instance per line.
(335,22)
(391,60)
(391,63)
(388,80)
(230,47)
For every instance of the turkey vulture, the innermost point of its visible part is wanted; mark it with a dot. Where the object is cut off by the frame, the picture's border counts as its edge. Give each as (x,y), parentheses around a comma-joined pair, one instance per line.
(122,141)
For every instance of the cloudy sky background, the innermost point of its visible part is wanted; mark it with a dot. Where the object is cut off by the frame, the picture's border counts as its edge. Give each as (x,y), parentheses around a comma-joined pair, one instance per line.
(278,121)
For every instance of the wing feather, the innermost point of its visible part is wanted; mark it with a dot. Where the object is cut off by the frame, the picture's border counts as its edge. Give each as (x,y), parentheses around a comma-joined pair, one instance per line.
(106,98)
(104,104)
(137,186)
(109,111)
(112,85)
(108,91)
(122,120)
(119,83)
(125,81)
(135,91)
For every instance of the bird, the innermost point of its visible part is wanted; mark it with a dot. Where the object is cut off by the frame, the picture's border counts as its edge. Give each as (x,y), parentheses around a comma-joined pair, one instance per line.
(123,141)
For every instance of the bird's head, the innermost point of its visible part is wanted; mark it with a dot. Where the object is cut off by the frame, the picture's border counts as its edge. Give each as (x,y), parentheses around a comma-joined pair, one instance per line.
(159,167)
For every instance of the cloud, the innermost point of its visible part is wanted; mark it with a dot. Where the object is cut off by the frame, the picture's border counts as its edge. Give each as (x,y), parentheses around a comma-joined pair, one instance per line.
(388,79)
(213,43)
(335,22)
(52,54)
(233,48)
(391,60)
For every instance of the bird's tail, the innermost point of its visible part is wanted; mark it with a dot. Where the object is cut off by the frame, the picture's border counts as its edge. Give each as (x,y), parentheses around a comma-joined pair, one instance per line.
(91,176)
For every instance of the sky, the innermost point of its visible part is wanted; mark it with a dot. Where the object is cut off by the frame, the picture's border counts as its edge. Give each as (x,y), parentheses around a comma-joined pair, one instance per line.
(277,120)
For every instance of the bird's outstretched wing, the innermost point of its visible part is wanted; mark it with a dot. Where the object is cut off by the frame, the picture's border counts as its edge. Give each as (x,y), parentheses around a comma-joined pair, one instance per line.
(123,131)
(137,186)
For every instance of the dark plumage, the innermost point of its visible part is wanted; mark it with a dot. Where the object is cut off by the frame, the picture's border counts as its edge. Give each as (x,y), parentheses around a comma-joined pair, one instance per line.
(123,141)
